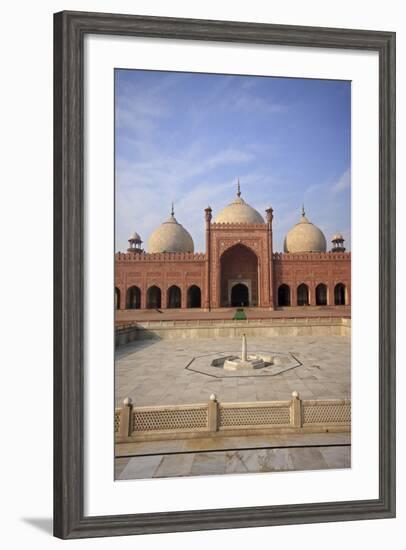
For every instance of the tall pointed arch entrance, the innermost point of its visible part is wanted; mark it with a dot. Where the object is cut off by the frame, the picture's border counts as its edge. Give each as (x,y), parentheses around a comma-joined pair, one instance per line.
(239,277)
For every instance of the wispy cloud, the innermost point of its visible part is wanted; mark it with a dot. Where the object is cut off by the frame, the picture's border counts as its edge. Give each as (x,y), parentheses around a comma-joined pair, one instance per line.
(175,171)
(146,189)
(343,183)
(253,103)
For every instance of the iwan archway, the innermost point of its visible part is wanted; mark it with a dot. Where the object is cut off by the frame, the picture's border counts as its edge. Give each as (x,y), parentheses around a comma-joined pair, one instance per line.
(239,277)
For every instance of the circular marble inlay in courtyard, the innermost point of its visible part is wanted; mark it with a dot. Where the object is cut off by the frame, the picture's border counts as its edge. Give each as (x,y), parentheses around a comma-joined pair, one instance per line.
(212,364)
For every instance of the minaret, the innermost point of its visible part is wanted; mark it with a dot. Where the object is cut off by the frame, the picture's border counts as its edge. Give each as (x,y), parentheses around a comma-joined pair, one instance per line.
(208,217)
(269,219)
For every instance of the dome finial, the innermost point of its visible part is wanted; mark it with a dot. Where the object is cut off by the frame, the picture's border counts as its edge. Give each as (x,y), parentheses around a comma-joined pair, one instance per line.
(172,212)
(238,188)
(303,211)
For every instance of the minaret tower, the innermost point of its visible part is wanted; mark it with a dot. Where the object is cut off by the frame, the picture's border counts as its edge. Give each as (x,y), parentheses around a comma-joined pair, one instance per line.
(208,217)
(269,219)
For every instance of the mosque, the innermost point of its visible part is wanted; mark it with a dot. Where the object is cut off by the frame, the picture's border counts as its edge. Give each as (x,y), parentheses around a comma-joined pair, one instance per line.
(239,267)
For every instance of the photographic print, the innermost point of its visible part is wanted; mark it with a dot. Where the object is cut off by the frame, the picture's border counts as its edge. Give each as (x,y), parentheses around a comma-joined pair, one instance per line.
(205,211)
(232,274)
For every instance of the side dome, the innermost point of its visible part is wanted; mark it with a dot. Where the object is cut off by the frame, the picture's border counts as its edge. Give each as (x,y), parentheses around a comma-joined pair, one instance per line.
(170,236)
(239,212)
(305,237)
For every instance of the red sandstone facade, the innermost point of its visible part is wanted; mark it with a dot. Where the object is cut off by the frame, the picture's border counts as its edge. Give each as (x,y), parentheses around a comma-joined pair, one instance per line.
(239,268)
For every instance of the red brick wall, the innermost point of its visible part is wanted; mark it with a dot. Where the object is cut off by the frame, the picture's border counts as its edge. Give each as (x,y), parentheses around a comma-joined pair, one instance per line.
(187,269)
(313,268)
(163,270)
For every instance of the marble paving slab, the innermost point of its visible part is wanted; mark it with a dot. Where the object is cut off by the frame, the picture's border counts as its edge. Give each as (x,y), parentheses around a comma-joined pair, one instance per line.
(153,372)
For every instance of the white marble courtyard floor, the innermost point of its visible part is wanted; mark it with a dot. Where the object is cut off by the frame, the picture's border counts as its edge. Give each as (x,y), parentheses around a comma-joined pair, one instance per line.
(153,372)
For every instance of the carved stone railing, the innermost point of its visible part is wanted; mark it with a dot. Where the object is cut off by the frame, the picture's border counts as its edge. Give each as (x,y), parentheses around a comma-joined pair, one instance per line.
(216,419)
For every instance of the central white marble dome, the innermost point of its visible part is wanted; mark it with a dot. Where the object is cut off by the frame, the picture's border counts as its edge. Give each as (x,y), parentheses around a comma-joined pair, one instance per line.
(239,212)
(170,236)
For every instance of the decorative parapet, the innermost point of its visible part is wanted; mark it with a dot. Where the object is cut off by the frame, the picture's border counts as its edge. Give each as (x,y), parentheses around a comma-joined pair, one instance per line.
(311,256)
(161,256)
(248,226)
(215,418)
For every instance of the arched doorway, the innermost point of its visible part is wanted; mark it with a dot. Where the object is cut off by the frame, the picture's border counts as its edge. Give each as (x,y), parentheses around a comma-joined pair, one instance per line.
(153,297)
(133,298)
(239,295)
(302,295)
(194,297)
(339,294)
(239,265)
(321,294)
(284,295)
(116,298)
(174,297)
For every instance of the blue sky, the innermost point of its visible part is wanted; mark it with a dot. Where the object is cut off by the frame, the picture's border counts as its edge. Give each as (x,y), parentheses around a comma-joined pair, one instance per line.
(188,137)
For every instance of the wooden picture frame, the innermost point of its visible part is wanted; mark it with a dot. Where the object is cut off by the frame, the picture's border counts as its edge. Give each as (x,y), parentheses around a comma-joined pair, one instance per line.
(69,31)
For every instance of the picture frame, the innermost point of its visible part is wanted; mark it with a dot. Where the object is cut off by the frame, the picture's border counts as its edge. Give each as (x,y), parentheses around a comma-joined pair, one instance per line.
(70,28)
